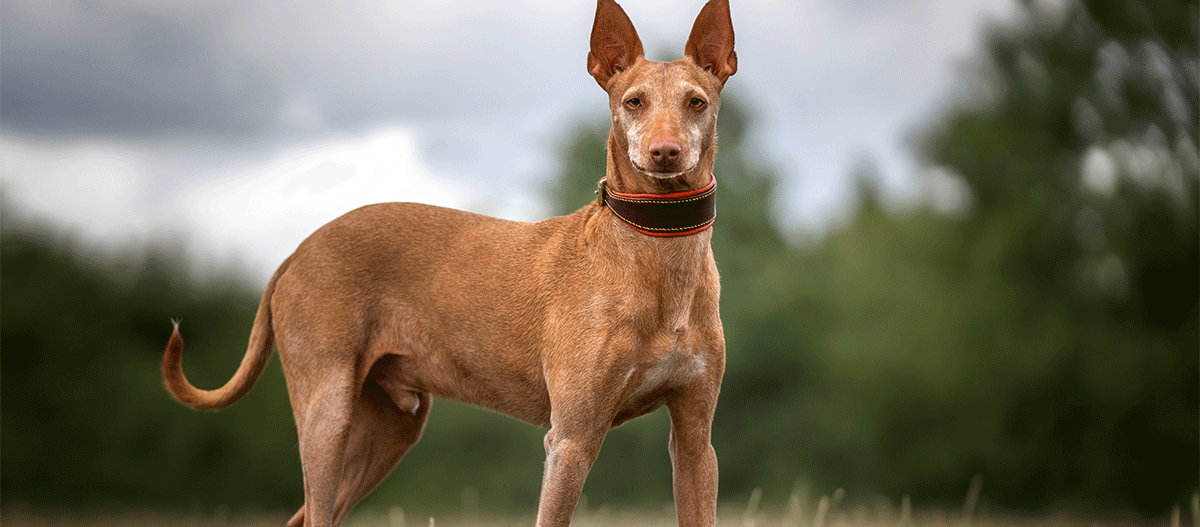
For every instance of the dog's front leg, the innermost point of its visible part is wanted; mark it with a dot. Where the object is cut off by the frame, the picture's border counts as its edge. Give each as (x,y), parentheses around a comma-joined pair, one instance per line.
(693,460)
(571,448)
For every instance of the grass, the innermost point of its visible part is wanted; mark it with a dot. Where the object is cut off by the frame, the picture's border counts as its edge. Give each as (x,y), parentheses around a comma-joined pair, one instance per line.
(800,511)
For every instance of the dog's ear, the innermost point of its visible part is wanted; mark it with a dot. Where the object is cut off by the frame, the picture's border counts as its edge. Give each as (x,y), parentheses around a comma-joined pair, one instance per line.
(710,45)
(615,44)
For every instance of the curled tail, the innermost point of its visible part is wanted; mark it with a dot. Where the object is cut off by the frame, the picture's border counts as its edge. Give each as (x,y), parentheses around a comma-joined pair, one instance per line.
(262,343)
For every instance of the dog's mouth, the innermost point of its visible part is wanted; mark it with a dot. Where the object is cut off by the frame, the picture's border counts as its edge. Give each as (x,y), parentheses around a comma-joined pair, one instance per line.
(657,174)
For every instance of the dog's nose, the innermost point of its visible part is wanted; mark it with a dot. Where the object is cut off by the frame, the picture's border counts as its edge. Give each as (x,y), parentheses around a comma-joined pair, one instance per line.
(664,152)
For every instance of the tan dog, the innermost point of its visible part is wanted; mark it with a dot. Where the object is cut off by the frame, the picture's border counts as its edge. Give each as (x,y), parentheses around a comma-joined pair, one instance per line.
(577,323)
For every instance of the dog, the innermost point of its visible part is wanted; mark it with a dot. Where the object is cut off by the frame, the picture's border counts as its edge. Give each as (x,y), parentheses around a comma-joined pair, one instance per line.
(578,323)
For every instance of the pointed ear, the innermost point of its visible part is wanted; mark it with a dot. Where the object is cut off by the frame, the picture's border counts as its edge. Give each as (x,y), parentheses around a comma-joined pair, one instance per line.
(615,44)
(710,45)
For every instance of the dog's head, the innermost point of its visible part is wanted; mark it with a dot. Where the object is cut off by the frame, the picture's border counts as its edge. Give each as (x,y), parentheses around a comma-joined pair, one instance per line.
(664,114)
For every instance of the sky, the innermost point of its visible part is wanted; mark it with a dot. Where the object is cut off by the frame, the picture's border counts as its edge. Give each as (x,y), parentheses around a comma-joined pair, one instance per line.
(237,128)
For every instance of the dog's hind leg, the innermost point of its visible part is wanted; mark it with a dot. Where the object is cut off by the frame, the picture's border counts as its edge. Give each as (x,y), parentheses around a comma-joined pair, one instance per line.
(323,443)
(324,429)
(380,434)
(297,519)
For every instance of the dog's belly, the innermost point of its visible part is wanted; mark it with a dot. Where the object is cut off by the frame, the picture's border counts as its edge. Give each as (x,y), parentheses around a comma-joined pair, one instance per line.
(502,386)
(515,391)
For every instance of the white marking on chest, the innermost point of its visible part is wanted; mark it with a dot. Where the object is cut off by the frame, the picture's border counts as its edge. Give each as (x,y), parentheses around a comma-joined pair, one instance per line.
(675,368)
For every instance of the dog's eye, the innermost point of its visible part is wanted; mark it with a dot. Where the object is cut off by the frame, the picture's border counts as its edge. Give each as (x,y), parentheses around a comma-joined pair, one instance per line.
(634,103)
(696,103)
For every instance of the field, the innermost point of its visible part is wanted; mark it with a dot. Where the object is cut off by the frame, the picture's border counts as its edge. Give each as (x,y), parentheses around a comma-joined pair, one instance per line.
(799,512)
(601,518)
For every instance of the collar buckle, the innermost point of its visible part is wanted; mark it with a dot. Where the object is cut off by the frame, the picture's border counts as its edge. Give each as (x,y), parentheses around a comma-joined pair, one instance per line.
(601,191)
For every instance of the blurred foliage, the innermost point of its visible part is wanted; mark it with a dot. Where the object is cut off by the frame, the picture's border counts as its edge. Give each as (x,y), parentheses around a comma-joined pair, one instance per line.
(1075,265)
(1041,331)
(86,419)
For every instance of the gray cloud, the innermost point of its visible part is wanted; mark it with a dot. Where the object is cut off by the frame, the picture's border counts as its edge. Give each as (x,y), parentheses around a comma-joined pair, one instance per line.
(142,69)
(102,68)
(487,88)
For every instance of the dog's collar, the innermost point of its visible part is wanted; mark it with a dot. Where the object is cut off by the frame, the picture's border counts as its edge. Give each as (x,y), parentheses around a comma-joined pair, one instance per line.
(673,214)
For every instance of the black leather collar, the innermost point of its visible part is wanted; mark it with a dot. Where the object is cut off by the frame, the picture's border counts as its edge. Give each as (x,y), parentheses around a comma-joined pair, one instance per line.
(673,214)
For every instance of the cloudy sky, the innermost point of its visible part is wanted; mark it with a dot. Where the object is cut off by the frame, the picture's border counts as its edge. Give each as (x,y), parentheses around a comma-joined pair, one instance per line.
(240,127)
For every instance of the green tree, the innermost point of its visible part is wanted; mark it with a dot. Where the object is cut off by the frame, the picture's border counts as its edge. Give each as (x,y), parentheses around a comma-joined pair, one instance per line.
(1084,169)
(1046,336)
(86,421)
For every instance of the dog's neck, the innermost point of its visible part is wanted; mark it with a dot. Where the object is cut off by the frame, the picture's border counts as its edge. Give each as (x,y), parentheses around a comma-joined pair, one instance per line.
(652,260)
(665,272)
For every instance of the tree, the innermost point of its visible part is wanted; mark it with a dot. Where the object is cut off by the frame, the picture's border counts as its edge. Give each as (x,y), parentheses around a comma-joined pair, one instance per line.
(1056,322)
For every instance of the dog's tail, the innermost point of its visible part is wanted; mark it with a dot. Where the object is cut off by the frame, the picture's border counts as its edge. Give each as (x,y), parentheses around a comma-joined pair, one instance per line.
(262,343)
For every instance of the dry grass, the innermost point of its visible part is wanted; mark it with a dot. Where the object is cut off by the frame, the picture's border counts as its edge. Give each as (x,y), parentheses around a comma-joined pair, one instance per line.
(600,518)
(823,511)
